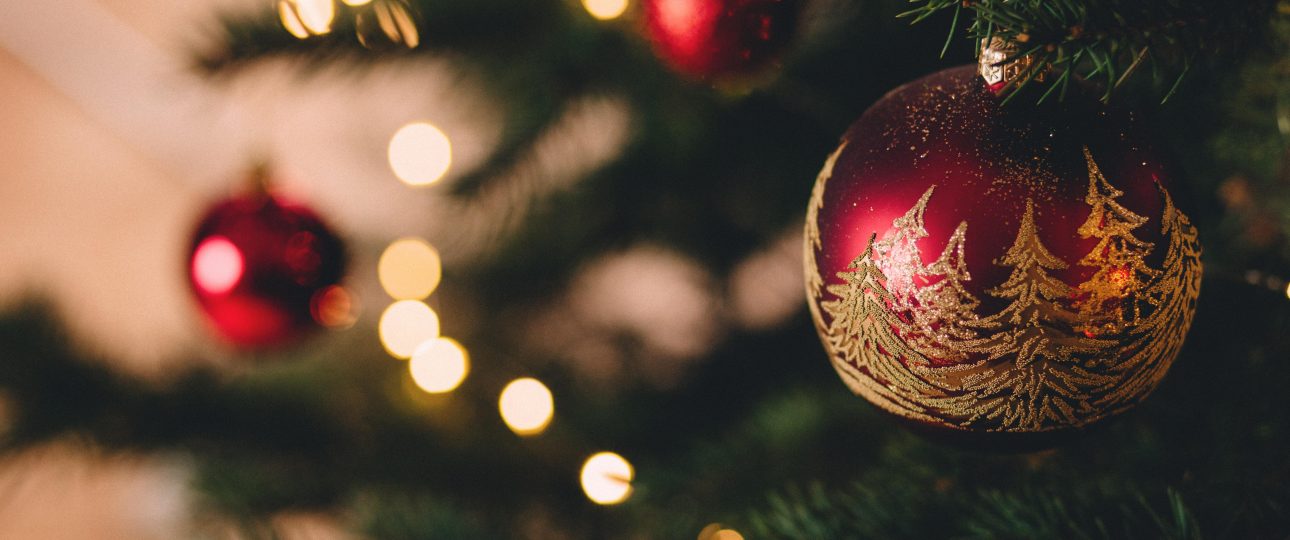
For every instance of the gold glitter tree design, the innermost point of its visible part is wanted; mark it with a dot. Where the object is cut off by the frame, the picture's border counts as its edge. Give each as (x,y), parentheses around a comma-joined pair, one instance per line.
(908,337)
(1171,298)
(1042,383)
(945,318)
(814,281)
(898,253)
(864,332)
(1119,257)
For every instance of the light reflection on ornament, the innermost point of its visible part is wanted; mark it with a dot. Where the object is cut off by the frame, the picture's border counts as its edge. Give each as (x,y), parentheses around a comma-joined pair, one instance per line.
(526,406)
(607,478)
(688,23)
(217,265)
(334,307)
(356,2)
(605,9)
(409,269)
(405,325)
(439,365)
(420,154)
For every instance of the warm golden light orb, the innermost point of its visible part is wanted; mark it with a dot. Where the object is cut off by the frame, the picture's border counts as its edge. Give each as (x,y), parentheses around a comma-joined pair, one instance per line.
(420,154)
(409,269)
(439,365)
(526,406)
(304,18)
(405,325)
(607,478)
(605,9)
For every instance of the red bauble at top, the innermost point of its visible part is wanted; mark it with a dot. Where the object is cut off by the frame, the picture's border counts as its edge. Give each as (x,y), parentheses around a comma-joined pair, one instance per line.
(982,267)
(721,39)
(262,267)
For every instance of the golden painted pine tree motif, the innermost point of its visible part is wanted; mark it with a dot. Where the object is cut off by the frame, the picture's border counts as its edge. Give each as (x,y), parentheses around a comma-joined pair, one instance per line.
(1122,273)
(897,253)
(864,335)
(1036,365)
(945,321)
(1042,382)
(1171,298)
(814,281)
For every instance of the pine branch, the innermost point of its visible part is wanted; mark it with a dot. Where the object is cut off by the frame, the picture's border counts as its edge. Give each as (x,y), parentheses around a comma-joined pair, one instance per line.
(1109,42)
(900,510)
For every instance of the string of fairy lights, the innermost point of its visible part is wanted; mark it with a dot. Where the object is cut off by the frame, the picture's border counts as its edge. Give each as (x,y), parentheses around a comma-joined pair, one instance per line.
(410,269)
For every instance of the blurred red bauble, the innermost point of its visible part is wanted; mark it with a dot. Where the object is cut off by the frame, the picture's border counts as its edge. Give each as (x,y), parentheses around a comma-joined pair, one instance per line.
(265,270)
(721,39)
(998,272)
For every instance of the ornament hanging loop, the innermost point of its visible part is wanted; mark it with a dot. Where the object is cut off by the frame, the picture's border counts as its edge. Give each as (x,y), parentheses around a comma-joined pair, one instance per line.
(1000,65)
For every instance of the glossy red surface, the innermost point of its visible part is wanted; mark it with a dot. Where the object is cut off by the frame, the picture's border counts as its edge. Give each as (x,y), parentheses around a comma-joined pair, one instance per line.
(709,39)
(1055,345)
(986,160)
(255,264)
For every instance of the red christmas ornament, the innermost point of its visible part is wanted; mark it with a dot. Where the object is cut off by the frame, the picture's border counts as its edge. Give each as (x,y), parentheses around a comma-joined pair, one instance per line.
(264,269)
(999,272)
(720,39)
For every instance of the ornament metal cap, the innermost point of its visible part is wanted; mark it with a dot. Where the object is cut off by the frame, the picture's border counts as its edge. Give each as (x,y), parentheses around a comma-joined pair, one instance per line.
(999,64)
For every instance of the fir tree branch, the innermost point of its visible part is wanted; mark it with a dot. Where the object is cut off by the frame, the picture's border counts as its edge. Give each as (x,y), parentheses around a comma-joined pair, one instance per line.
(1109,42)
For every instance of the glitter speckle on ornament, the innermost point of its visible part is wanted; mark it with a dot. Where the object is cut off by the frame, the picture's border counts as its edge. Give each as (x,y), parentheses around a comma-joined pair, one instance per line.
(983,268)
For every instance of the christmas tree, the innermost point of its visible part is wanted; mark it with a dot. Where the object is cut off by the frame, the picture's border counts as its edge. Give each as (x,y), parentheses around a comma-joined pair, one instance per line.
(625,239)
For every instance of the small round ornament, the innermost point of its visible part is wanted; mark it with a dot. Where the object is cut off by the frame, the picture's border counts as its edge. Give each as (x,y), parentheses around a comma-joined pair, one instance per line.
(721,39)
(264,269)
(998,272)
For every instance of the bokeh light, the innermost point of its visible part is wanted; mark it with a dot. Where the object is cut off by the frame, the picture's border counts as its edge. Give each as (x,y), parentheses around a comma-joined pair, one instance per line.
(605,9)
(291,20)
(1287,291)
(303,18)
(420,154)
(527,406)
(439,365)
(398,25)
(357,2)
(405,325)
(217,265)
(334,307)
(715,531)
(607,478)
(409,269)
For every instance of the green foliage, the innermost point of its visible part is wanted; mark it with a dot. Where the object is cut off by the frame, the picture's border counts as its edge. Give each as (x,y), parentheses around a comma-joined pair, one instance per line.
(1107,40)
(864,511)
(334,427)
(1203,457)
(393,516)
